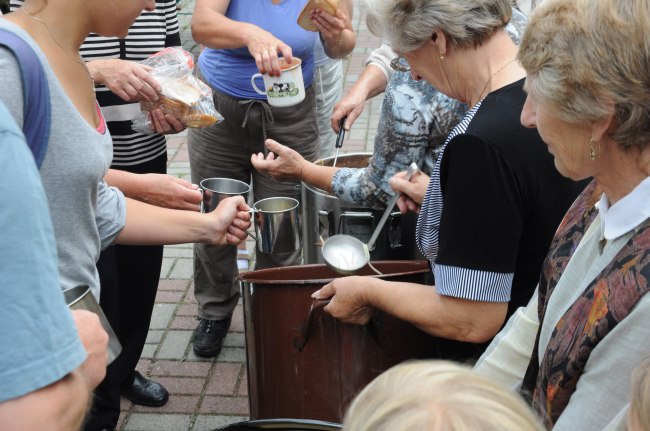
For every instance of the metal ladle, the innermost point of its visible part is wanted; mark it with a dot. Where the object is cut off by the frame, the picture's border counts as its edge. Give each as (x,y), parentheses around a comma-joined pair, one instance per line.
(346,254)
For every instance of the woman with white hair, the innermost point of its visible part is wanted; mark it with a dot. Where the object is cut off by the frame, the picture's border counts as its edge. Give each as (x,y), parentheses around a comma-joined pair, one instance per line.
(494,199)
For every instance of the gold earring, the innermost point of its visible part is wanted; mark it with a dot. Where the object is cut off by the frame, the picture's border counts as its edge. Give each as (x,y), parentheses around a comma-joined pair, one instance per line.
(442,57)
(592,153)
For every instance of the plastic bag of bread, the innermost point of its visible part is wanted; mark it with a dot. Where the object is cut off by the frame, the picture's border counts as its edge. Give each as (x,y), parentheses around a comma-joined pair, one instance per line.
(304,19)
(183,95)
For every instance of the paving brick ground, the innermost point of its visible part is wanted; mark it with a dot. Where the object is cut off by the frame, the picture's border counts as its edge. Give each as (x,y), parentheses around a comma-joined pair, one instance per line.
(208,393)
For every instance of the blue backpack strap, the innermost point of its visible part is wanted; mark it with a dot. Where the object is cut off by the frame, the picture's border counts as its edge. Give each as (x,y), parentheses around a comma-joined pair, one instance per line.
(37,115)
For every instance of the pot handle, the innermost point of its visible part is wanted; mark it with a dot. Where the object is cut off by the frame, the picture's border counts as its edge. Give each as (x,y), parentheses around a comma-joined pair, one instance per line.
(300,341)
(305,329)
(326,225)
(395,229)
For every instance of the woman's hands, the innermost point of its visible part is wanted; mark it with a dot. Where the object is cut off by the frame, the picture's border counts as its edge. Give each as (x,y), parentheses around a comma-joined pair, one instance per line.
(330,26)
(348,301)
(169,192)
(350,108)
(282,163)
(163,123)
(133,82)
(371,82)
(332,30)
(150,225)
(412,191)
(231,220)
(129,80)
(162,190)
(264,47)
(95,340)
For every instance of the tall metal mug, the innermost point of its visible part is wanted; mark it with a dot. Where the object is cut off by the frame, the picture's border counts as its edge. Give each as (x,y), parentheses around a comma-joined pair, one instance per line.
(81,298)
(217,189)
(277,225)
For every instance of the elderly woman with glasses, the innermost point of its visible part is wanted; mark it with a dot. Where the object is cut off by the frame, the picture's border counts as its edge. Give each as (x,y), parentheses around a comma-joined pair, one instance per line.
(414,122)
(494,199)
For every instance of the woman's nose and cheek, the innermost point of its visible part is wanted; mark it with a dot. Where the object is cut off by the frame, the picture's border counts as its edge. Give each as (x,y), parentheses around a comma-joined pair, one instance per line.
(527,116)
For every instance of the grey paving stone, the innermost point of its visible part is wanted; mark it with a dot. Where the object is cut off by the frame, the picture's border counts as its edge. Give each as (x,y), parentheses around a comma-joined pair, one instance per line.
(168,285)
(232,354)
(235,339)
(154,336)
(162,314)
(180,165)
(167,264)
(210,422)
(183,268)
(149,351)
(183,369)
(174,345)
(157,422)
(177,252)
(192,357)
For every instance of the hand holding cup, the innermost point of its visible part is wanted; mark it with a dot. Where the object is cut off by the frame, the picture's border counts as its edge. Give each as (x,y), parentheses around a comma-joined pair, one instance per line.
(231,220)
(95,340)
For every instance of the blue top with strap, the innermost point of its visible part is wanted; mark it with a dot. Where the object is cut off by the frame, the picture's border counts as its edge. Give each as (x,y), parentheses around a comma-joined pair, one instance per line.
(37,115)
(230,70)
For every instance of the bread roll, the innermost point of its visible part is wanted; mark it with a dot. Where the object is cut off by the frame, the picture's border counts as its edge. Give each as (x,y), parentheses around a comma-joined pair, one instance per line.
(179,89)
(180,99)
(304,19)
(199,120)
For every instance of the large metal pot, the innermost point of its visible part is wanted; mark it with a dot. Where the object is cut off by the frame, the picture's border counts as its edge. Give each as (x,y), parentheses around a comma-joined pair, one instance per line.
(308,365)
(324,215)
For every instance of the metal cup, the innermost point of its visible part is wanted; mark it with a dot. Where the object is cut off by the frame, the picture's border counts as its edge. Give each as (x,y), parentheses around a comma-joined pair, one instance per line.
(277,225)
(81,298)
(216,189)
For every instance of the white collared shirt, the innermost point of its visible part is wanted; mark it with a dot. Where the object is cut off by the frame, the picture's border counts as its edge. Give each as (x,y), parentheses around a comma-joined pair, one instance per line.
(626,214)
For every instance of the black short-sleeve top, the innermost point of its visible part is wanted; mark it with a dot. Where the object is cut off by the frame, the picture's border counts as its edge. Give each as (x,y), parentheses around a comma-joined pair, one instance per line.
(493,204)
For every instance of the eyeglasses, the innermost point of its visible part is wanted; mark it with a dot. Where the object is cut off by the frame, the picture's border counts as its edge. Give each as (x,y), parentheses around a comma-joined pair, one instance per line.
(400,64)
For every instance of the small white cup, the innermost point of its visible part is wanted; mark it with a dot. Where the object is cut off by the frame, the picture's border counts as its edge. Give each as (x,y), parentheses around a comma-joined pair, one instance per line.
(288,89)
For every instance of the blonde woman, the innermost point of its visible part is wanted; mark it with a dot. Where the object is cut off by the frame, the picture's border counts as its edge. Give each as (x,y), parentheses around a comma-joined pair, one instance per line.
(87,214)
(440,396)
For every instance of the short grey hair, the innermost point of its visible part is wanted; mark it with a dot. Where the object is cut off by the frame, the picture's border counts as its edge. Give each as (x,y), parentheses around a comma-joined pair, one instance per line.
(582,57)
(406,24)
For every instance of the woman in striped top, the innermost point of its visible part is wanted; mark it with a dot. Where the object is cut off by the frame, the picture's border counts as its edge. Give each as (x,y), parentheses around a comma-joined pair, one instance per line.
(494,199)
(130,274)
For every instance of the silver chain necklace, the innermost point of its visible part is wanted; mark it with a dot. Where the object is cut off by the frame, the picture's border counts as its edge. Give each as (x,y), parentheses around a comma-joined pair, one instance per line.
(79,60)
(492,76)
